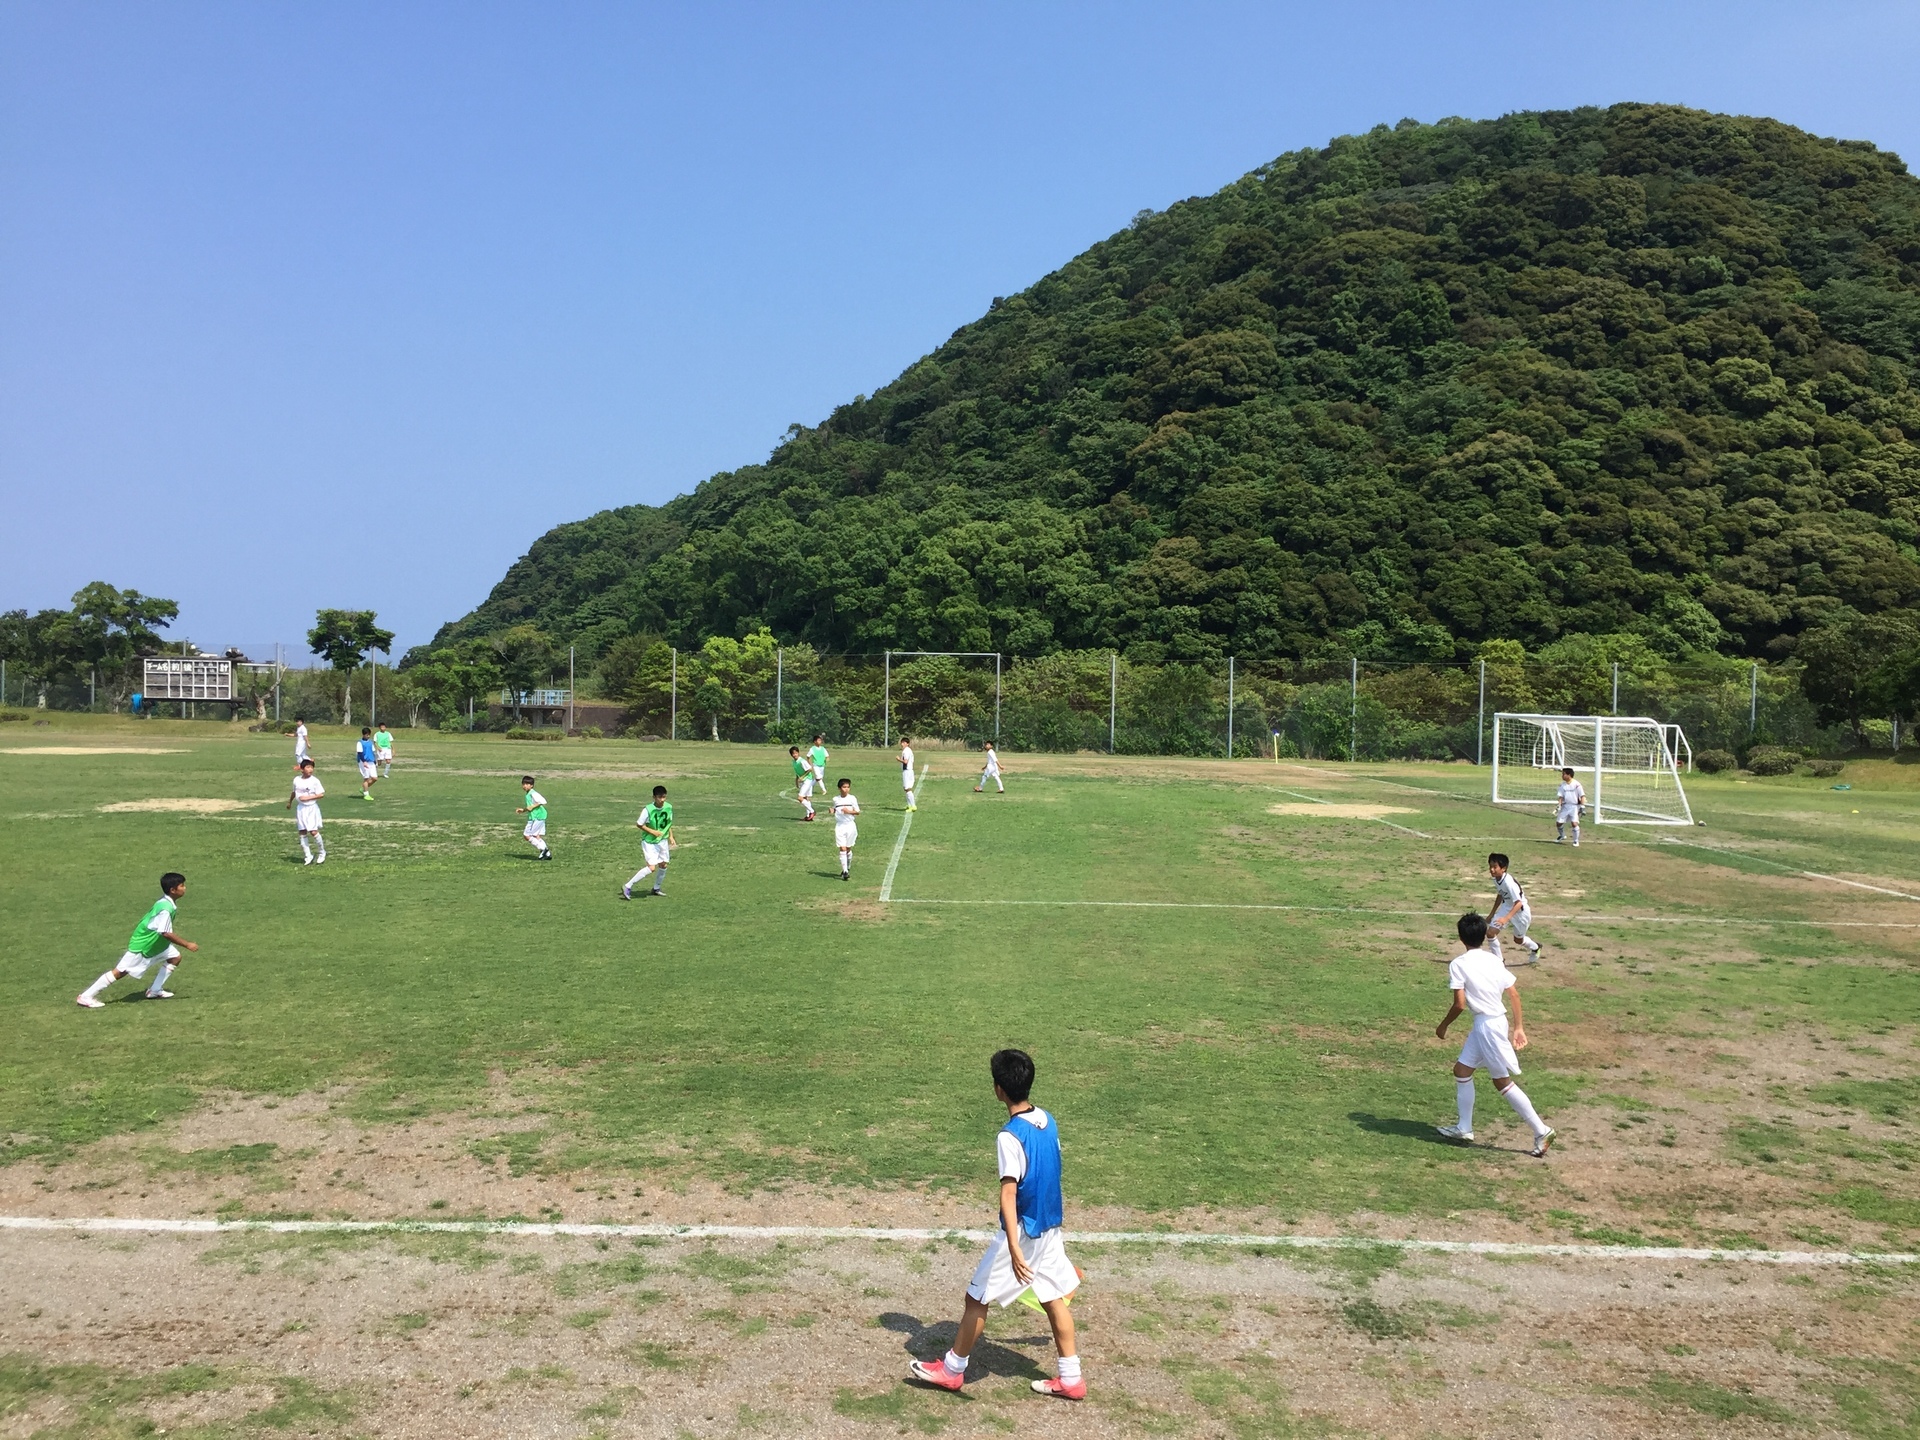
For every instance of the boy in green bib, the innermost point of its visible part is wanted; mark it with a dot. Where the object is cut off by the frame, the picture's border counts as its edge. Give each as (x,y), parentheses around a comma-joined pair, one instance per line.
(802,780)
(536,812)
(383,750)
(152,939)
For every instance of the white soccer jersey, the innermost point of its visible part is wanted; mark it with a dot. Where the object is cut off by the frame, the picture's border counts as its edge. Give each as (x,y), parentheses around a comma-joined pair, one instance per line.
(1509,898)
(307,791)
(906,766)
(844,808)
(993,763)
(299,741)
(1568,799)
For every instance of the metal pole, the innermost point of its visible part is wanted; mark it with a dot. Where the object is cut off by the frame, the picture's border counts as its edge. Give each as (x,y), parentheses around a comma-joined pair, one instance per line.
(996,696)
(93,684)
(779,680)
(279,673)
(1113,700)
(569,688)
(1353,713)
(1753,699)
(1229,707)
(1480,734)
(373,689)
(1616,687)
(886,696)
(1599,766)
(673,713)
(469,714)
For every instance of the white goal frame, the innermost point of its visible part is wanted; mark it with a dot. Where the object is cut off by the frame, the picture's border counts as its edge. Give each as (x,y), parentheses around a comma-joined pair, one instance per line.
(1630,765)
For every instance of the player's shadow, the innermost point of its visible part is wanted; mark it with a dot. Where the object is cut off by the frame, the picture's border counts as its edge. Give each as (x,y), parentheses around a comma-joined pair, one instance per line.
(930,1342)
(1400,1128)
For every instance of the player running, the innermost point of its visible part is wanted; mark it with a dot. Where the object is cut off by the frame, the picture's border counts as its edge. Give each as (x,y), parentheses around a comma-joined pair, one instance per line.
(845,832)
(1511,911)
(906,770)
(305,804)
(299,738)
(1483,985)
(153,938)
(990,771)
(369,757)
(1568,800)
(656,843)
(802,780)
(536,812)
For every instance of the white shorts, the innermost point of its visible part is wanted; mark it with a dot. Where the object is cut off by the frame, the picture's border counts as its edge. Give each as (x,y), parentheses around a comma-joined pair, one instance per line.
(906,778)
(806,787)
(307,816)
(535,827)
(1567,815)
(819,775)
(658,852)
(369,770)
(1515,924)
(994,1282)
(384,754)
(845,832)
(1490,1048)
(137,965)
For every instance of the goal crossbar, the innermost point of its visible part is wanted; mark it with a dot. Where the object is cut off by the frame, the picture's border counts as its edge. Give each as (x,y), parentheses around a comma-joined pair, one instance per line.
(1629,765)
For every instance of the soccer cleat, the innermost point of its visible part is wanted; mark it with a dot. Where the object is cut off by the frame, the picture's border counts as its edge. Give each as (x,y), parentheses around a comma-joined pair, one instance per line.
(936,1373)
(658,891)
(978,788)
(306,860)
(546,854)
(159,994)
(1540,1144)
(1454,1132)
(87,1002)
(625,893)
(323,858)
(1064,1389)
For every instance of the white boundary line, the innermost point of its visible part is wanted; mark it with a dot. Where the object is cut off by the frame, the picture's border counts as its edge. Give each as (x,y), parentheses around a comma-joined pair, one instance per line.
(1450,914)
(1378,820)
(119,1225)
(900,844)
(1790,869)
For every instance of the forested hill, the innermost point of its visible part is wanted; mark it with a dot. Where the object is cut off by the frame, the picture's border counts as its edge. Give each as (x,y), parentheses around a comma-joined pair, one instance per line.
(1642,368)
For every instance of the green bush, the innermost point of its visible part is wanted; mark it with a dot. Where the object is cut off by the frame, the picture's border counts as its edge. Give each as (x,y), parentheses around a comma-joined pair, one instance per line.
(1772,760)
(13,715)
(522,732)
(1712,762)
(590,732)
(1825,769)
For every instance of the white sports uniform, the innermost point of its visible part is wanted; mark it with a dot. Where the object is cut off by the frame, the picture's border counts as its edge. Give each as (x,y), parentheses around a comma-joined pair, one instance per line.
(307,791)
(135,964)
(1510,909)
(535,801)
(906,767)
(991,771)
(994,1282)
(1483,980)
(299,743)
(1568,799)
(845,832)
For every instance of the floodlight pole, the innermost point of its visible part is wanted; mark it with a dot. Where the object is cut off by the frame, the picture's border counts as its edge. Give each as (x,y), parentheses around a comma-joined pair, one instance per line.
(673,697)
(996,697)
(373,689)
(779,678)
(1353,714)
(1229,707)
(886,696)
(569,688)
(1480,734)
(278,671)
(1113,700)
(1616,687)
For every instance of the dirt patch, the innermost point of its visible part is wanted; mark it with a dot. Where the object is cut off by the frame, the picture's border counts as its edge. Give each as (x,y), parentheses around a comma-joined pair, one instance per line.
(88,750)
(189,805)
(1338,811)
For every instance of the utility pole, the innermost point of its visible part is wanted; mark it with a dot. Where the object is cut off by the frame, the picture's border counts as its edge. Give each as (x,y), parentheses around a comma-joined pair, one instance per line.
(996,697)
(569,689)
(673,714)
(1753,700)
(279,673)
(779,680)
(1113,700)
(1229,707)
(1353,713)
(373,689)
(1480,734)
(1616,687)
(886,696)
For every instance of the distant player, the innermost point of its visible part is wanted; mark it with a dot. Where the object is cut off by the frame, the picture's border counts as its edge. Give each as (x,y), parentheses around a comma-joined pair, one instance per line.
(802,780)
(305,804)
(299,738)
(656,843)
(154,938)
(1568,801)
(817,757)
(369,757)
(536,812)
(1029,1254)
(1511,911)
(990,771)
(383,750)
(1482,984)
(845,831)
(906,771)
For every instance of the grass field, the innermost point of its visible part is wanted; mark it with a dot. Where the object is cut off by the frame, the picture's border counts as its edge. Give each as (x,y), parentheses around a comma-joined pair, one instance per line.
(1227,974)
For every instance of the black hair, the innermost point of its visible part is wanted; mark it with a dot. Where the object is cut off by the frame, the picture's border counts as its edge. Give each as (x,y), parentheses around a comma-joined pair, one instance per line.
(1566,770)
(366,729)
(793,749)
(821,736)
(843,781)
(1472,930)
(306,759)
(300,719)
(171,881)
(526,779)
(1496,858)
(658,791)
(1013,1073)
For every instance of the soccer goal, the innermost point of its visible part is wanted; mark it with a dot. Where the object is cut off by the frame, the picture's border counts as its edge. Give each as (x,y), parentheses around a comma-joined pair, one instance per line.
(1629,765)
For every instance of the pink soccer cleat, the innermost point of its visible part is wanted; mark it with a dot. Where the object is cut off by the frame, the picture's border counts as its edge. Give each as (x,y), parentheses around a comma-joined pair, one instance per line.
(937,1374)
(1053,1385)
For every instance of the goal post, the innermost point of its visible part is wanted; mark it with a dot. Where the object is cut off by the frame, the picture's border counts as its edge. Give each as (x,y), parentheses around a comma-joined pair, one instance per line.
(1628,764)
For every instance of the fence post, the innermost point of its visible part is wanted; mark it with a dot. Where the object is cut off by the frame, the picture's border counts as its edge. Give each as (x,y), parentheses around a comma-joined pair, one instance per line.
(569,687)
(673,696)
(1616,687)
(1353,714)
(1480,733)
(1229,707)
(1753,700)
(779,679)
(1113,699)
(996,697)
(886,696)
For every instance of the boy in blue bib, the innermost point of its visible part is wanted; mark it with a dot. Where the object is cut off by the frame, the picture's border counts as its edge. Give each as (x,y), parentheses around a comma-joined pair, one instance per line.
(1029,1254)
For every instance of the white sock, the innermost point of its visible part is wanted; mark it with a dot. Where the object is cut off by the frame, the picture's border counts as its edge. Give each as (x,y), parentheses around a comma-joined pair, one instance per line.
(639,877)
(1463,1101)
(305,848)
(809,805)
(1069,1368)
(1531,944)
(955,1363)
(1576,834)
(661,878)
(102,983)
(321,841)
(1000,784)
(909,797)
(1523,1107)
(160,980)
(846,862)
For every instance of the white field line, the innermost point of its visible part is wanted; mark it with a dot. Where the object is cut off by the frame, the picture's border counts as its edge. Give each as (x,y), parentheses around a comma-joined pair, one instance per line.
(122,1225)
(900,844)
(1790,869)
(1378,820)
(1577,919)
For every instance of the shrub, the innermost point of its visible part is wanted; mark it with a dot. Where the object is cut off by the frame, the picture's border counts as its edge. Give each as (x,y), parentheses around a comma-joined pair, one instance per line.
(13,715)
(1772,760)
(590,732)
(522,732)
(1712,762)
(1825,769)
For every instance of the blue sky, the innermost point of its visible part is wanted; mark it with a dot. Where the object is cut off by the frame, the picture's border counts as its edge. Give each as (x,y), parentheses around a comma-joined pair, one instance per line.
(343,305)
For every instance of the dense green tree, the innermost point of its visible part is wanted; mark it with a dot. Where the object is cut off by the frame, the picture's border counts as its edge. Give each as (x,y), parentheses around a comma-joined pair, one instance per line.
(1853,667)
(344,638)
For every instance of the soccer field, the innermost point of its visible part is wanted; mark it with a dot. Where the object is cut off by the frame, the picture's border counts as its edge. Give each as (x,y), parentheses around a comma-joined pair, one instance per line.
(1228,974)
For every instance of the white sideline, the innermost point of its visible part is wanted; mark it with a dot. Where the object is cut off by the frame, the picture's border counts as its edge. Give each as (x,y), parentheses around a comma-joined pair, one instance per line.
(1450,914)
(900,844)
(117,1224)
(1790,869)
(1377,819)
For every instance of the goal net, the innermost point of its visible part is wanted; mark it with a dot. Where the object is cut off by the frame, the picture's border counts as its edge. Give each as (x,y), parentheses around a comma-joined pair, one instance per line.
(1628,765)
